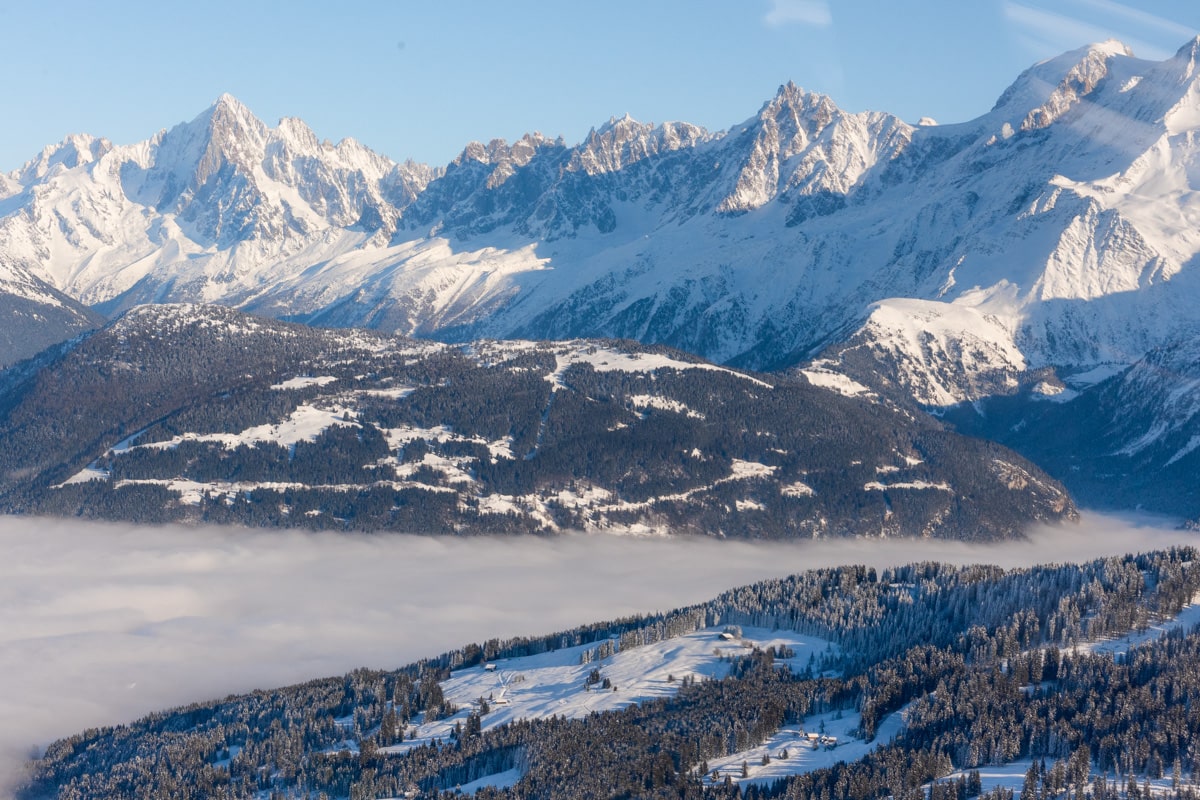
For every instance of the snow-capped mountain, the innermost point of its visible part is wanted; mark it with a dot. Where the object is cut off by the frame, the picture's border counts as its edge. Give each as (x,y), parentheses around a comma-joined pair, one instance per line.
(1065,214)
(214,208)
(612,236)
(1092,260)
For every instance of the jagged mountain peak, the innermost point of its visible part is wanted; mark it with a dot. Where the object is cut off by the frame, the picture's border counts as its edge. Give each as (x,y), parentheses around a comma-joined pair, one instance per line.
(1047,90)
(231,128)
(625,121)
(502,158)
(498,150)
(296,131)
(1190,52)
(791,93)
(801,142)
(792,100)
(226,106)
(624,140)
(74,150)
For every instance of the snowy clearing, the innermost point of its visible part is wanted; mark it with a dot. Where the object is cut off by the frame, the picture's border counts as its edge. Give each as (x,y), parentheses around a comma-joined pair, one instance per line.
(876,486)
(304,424)
(605,360)
(821,741)
(644,401)
(395,393)
(500,780)
(303,381)
(1187,618)
(88,473)
(555,683)
(834,381)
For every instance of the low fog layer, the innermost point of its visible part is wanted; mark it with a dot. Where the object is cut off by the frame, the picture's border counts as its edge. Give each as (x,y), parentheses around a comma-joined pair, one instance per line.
(100,624)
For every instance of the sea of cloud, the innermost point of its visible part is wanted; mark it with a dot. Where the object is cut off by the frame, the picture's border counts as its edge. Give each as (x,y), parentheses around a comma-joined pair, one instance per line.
(100,624)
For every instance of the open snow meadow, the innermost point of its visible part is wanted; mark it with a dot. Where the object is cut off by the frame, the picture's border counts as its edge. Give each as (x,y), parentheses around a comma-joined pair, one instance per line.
(100,624)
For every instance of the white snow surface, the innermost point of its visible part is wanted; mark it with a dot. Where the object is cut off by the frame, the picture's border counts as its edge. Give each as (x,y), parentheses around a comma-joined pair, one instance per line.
(643,401)
(603,359)
(944,353)
(820,374)
(499,780)
(303,381)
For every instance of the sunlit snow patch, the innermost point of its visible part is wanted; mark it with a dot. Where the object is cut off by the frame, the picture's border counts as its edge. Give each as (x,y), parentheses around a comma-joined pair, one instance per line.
(88,473)
(605,360)
(819,375)
(876,486)
(302,381)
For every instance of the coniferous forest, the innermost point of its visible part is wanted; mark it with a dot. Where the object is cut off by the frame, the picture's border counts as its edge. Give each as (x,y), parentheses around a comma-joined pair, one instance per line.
(203,414)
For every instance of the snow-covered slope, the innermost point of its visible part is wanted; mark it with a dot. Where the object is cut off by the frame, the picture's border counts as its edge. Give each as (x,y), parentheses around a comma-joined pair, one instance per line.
(936,353)
(1086,258)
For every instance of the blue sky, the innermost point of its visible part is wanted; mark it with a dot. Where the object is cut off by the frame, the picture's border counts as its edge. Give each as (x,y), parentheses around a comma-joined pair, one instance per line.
(420,79)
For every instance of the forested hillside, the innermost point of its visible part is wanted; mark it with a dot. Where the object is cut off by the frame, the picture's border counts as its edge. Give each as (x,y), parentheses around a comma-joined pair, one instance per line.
(989,667)
(204,414)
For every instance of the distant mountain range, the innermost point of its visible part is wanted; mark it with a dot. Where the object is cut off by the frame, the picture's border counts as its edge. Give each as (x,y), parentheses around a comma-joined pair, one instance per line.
(1023,256)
